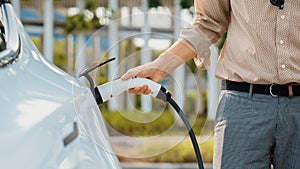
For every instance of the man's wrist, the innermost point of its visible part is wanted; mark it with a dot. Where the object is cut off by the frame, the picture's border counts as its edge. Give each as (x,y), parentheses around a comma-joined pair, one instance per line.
(168,61)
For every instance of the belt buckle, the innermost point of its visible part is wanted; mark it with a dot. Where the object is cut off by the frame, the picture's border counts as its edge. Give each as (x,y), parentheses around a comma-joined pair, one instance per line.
(270,89)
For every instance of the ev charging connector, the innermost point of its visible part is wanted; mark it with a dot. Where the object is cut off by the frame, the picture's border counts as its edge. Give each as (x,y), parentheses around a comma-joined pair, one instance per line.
(114,88)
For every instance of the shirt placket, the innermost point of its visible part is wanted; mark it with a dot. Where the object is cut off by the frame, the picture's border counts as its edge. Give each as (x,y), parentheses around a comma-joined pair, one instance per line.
(281,44)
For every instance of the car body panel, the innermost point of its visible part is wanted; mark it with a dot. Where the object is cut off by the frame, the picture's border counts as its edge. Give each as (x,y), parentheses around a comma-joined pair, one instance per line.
(41,105)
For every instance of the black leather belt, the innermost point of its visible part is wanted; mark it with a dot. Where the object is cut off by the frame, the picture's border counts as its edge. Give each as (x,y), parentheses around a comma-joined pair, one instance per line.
(275,90)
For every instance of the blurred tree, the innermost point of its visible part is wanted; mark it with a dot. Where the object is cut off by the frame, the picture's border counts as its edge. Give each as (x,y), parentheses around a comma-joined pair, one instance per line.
(154,3)
(92,7)
(81,21)
(221,42)
(186,4)
(191,65)
(77,23)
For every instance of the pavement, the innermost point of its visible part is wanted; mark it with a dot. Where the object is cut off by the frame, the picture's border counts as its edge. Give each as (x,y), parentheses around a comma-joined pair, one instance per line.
(129,147)
(135,147)
(163,166)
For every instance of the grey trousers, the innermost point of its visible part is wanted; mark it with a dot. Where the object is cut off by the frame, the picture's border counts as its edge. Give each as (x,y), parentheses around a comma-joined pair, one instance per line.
(253,131)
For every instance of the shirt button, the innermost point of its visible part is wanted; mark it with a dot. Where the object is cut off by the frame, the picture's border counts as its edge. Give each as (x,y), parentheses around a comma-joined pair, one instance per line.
(281,42)
(282,16)
(283,66)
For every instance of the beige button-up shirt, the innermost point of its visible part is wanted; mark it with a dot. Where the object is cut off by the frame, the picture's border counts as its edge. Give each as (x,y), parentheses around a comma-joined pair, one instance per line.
(263,41)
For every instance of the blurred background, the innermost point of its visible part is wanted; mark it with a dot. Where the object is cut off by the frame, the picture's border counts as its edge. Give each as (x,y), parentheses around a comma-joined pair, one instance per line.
(74,34)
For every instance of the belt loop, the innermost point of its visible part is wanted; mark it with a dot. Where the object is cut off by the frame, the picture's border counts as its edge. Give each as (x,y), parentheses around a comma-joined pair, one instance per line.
(290,87)
(250,90)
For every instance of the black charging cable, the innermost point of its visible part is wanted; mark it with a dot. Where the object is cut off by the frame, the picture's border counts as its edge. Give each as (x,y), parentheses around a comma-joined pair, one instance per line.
(167,97)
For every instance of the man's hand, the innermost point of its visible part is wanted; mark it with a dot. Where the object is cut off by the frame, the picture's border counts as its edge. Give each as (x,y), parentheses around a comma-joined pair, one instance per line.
(149,70)
(176,55)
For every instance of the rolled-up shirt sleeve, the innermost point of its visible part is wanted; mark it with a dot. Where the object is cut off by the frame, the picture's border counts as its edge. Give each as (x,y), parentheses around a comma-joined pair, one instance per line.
(210,22)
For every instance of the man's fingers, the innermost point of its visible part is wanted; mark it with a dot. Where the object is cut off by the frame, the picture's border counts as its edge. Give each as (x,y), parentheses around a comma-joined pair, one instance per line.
(131,73)
(128,75)
(134,90)
(148,91)
(140,90)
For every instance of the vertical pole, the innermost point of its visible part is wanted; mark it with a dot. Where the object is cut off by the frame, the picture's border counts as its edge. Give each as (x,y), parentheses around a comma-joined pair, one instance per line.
(113,32)
(80,5)
(96,47)
(70,51)
(213,84)
(80,52)
(131,99)
(48,30)
(146,104)
(179,73)
(17,7)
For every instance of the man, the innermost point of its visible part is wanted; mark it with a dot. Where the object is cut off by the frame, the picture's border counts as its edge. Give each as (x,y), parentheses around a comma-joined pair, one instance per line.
(258,116)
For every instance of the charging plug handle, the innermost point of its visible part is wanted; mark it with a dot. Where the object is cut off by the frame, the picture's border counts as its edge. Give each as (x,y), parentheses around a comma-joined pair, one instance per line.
(114,88)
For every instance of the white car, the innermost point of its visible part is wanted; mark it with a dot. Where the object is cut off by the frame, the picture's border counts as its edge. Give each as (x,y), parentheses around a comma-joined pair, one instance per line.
(48,119)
